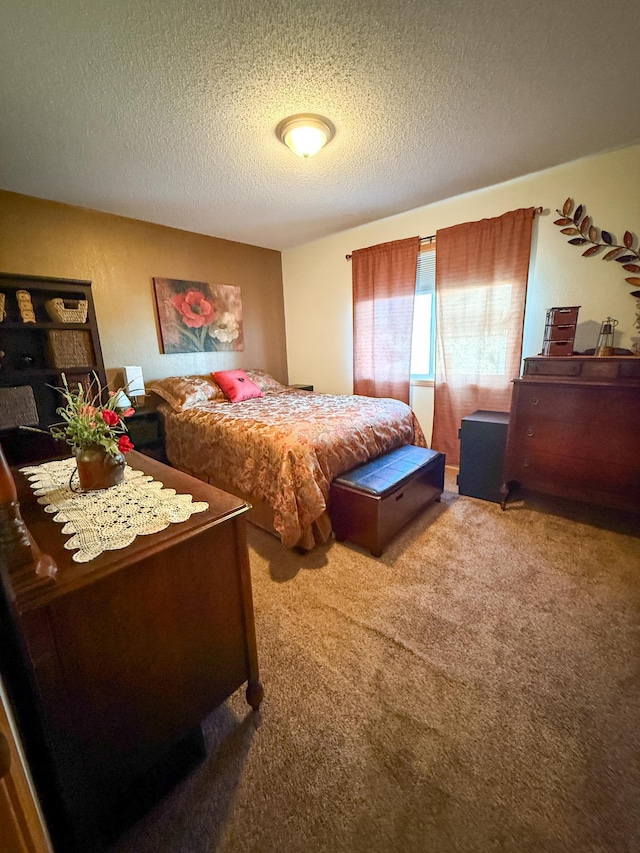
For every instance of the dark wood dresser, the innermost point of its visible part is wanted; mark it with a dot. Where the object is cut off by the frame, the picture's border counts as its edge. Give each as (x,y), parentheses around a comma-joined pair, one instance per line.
(574,430)
(131,651)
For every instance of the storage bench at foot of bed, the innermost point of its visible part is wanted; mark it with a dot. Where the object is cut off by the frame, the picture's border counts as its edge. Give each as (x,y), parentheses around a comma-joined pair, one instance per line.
(370,504)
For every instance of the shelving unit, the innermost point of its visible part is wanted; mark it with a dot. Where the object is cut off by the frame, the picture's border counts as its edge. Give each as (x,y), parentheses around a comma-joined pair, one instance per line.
(36,354)
(560,330)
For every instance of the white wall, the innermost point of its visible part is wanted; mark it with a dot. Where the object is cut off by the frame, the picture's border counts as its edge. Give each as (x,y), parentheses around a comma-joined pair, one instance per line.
(317,278)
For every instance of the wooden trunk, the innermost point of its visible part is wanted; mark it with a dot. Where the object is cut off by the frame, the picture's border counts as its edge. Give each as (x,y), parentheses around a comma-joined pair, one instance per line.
(372,518)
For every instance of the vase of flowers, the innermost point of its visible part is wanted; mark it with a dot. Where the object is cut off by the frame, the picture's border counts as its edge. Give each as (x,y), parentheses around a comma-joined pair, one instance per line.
(96,431)
(98,469)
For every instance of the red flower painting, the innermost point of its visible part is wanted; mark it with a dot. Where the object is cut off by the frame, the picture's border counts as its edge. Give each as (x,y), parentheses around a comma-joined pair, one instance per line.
(196,310)
(198,317)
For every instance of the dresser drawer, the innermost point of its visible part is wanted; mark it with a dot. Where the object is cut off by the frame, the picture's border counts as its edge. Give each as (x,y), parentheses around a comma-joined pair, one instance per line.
(585,368)
(612,484)
(562,333)
(601,407)
(556,316)
(563,348)
(568,367)
(629,368)
(600,370)
(582,441)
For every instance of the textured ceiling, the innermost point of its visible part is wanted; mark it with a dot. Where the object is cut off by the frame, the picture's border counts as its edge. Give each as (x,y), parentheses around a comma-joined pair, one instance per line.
(165,110)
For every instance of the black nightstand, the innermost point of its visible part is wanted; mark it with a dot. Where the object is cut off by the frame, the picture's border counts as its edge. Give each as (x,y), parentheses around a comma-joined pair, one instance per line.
(302,387)
(146,431)
(483,439)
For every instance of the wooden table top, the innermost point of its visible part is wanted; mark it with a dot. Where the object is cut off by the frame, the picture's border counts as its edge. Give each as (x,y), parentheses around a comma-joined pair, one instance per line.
(32,592)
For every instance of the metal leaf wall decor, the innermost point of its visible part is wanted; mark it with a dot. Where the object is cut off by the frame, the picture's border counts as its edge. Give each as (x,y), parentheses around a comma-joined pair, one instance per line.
(582,232)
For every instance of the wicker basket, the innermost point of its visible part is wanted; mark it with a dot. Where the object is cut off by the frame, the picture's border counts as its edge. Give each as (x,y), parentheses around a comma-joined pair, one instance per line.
(67,310)
(70,349)
(17,407)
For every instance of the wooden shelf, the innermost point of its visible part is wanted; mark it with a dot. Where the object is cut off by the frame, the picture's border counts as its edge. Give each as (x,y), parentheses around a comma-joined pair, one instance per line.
(25,327)
(43,343)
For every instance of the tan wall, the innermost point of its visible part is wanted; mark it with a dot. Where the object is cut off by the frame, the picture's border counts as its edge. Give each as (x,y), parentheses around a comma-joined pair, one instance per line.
(121,256)
(317,279)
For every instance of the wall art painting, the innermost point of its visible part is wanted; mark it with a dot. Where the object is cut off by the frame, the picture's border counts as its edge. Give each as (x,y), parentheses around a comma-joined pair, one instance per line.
(198,317)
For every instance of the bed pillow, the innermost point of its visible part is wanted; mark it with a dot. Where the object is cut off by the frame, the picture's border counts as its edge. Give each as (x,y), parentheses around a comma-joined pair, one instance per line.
(186,392)
(237,385)
(265,381)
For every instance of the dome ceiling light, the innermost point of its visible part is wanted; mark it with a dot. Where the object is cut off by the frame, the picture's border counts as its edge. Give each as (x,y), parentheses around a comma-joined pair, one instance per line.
(305,134)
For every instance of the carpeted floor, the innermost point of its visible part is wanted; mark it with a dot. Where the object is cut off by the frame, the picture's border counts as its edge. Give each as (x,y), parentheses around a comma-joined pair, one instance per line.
(476,689)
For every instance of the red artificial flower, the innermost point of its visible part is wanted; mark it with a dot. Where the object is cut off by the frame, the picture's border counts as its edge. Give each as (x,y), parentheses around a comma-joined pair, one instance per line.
(128,412)
(87,410)
(125,444)
(110,417)
(195,308)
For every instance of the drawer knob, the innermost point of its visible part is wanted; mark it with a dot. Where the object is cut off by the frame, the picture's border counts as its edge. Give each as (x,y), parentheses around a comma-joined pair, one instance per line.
(534,401)
(530,432)
(525,463)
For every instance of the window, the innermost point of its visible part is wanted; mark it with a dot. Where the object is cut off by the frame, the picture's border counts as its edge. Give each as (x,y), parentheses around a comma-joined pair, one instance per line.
(474,348)
(423,339)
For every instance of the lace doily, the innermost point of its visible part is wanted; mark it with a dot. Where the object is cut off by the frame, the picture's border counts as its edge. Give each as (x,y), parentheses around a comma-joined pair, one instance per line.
(107,519)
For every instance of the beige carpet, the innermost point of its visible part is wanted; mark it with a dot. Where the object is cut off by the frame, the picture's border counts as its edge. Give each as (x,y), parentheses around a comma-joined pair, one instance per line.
(475,689)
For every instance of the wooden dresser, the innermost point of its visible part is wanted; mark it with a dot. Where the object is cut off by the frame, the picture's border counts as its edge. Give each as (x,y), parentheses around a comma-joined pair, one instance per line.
(133,649)
(574,430)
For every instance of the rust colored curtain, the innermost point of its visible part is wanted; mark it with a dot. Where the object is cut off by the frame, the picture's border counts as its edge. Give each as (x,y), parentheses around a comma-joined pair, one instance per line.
(384,284)
(481,285)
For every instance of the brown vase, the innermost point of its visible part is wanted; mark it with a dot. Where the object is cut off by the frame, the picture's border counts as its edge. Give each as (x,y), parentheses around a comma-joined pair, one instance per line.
(97,469)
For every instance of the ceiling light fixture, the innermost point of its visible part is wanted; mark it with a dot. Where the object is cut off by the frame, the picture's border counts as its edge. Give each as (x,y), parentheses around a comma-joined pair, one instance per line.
(305,134)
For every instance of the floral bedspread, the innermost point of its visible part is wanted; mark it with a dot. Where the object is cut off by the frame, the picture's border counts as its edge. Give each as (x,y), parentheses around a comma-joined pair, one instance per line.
(286,447)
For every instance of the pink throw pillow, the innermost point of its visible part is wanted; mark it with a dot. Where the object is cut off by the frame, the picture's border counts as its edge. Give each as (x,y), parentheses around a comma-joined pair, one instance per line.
(236,385)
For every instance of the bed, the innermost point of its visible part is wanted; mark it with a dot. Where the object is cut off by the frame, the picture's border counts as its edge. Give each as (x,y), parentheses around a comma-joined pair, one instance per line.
(281,450)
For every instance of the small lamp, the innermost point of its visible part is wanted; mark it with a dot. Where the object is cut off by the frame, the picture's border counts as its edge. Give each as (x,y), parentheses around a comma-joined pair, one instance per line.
(605,338)
(305,133)
(134,382)
(122,401)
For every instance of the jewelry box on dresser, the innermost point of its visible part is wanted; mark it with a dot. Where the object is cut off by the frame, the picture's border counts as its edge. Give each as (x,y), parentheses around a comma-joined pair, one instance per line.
(574,430)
